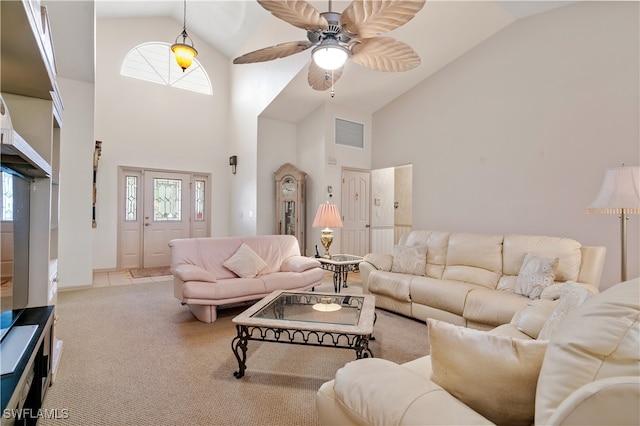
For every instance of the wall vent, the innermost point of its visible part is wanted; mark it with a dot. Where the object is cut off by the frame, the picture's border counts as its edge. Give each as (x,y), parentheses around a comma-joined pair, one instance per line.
(349,133)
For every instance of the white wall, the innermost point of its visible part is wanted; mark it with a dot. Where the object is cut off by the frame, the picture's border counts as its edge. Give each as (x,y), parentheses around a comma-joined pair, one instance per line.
(276,146)
(253,87)
(75,263)
(324,161)
(515,135)
(153,126)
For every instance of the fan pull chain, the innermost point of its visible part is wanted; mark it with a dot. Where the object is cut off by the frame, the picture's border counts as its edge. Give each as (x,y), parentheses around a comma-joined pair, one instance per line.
(333,92)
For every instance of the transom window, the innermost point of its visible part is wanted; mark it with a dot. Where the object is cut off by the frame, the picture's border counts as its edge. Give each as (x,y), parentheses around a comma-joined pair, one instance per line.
(154,62)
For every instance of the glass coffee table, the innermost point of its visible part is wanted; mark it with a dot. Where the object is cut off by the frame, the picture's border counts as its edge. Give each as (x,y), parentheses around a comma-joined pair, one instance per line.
(306,318)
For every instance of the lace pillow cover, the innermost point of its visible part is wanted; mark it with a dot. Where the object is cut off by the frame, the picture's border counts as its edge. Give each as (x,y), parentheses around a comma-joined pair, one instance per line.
(409,259)
(535,274)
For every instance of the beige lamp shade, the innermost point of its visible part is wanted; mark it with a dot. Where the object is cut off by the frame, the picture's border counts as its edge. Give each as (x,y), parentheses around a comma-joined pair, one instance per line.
(620,192)
(327,216)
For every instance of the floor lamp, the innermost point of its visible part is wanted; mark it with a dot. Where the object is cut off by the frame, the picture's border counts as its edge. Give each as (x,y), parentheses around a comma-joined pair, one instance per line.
(619,194)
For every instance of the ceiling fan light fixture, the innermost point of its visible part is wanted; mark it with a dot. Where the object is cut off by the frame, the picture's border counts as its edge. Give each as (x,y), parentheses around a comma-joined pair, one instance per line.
(329,55)
(184,52)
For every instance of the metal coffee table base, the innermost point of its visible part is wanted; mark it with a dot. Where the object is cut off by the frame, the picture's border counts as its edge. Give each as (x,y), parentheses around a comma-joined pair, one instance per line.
(357,342)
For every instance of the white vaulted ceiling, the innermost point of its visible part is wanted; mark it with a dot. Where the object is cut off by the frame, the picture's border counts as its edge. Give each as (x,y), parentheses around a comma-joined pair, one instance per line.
(441,32)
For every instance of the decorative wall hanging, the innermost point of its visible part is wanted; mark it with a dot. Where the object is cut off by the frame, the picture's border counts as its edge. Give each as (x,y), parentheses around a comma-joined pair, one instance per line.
(96,156)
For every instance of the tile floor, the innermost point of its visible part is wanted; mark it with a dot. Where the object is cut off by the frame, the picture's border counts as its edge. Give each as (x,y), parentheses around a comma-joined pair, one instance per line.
(114,278)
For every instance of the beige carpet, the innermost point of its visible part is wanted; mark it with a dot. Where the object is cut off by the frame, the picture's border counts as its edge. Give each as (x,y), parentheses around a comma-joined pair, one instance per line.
(133,355)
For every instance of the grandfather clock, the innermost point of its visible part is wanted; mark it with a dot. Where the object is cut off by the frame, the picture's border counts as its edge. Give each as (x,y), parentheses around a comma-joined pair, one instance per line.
(290,205)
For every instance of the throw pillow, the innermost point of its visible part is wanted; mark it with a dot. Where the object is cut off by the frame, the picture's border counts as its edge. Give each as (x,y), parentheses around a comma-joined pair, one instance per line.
(572,295)
(535,274)
(245,262)
(409,260)
(493,374)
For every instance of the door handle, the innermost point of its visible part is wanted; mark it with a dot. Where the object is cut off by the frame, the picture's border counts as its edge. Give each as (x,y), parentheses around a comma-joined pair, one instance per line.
(147,224)
(367,226)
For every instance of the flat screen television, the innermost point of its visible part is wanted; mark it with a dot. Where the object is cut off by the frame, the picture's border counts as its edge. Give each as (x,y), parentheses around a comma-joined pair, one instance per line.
(14,250)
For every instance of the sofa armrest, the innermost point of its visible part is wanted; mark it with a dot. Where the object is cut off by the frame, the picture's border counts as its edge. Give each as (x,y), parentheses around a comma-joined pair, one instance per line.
(298,264)
(610,401)
(380,261)
(187,272)
(377,391)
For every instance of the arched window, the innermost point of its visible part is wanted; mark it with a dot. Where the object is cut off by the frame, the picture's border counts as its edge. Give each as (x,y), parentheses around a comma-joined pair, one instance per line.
(154,62)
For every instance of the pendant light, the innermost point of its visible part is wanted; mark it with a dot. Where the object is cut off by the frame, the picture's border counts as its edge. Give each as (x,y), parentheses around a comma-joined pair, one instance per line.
(183,51)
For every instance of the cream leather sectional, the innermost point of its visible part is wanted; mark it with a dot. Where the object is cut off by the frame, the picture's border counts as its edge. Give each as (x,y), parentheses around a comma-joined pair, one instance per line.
(469,279)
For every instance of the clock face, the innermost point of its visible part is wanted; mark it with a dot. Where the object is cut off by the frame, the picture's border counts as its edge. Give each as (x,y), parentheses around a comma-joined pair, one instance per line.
(289,188)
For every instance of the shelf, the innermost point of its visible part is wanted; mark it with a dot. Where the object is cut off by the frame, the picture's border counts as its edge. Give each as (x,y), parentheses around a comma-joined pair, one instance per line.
(26,69)
(21,156)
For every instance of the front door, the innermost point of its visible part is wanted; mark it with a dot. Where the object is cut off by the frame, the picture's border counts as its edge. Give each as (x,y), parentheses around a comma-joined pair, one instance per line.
(166,214)
(355,212)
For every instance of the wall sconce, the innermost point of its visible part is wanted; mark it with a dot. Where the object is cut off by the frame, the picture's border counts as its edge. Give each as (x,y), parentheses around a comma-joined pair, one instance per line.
(233,162)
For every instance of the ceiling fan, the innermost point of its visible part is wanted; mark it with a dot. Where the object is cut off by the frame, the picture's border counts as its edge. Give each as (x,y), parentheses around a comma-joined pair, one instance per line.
(335,37)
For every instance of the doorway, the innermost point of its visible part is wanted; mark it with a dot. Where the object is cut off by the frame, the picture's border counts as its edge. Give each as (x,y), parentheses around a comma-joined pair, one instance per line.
(392,206)
(355,212)
(156,206)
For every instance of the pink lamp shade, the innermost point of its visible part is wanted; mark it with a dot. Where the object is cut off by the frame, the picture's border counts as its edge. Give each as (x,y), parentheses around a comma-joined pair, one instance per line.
(327,216)
(620,192)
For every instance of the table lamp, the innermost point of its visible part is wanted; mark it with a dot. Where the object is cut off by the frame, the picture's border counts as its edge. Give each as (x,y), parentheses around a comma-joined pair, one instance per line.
(328,217)
(619,194)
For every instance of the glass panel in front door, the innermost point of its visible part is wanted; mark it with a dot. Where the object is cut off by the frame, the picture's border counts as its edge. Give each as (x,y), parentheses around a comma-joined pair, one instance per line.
(167,198)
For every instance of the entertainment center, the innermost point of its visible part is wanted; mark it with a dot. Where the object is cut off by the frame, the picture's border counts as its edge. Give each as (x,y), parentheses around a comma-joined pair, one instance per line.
(31,113)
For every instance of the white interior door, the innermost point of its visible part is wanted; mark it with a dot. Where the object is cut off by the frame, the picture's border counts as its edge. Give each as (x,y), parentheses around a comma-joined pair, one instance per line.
(166,214)
(355,212)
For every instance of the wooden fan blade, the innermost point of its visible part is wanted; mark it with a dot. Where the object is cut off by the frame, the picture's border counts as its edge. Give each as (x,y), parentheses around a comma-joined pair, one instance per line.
(273,52)
(385,54)
(317,79)
(370,18)
(298,13)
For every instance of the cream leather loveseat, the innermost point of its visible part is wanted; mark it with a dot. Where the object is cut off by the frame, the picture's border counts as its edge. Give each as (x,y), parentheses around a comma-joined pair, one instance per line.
(469,279)
(586,373)
(209,272)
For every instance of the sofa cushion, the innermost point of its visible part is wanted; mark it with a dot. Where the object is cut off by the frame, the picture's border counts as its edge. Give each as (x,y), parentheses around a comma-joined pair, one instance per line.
(572,296)
(535,274)
(437,243)
(292,280)
(567,250)
(532,317)
(448,296)
(409,259)
(493,374)
(222,289)
(245,262)
(391,284)
(597,340)
(492,307)
(474,258)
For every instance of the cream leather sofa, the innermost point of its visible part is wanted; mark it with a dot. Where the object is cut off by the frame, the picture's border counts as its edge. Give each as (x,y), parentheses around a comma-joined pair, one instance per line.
(469,279)
(587,373)
(272,262)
